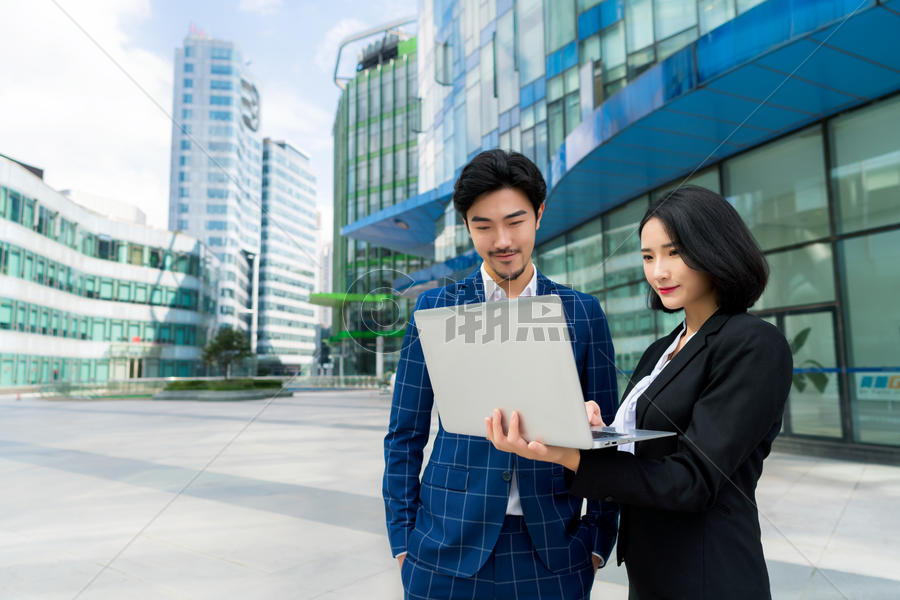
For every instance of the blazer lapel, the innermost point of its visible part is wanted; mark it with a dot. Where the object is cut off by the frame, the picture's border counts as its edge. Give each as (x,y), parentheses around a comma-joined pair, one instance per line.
(681,360)
(471,289)
(545,287)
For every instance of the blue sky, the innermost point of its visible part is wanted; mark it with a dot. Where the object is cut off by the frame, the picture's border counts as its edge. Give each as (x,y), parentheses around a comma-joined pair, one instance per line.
(69,110)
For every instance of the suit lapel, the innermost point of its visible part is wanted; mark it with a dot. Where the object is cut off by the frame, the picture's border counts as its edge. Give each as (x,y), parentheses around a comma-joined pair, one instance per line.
(545,287)
(681,360)
(470,290)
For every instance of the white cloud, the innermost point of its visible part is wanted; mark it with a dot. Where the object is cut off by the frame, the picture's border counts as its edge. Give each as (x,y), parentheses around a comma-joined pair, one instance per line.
(286,115)
(70,110)
(263,7)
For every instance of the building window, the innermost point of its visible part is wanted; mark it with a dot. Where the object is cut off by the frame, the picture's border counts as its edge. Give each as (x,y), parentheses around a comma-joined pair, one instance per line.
(216,193)
(673,16)
(186,113)
(585,256)
(185,144)
(221,115)
(221,69)
(530,40)
(220,53)
(182,225)
(220,100)
(871,288)
(779,190)
(188,51)
(188,67)
(188,83)
(187,98)
(619,227)
(713,13)
(221,130)
(798,277)
(865,169)
(216,226)
(559,22)
(106,289)
(639,23)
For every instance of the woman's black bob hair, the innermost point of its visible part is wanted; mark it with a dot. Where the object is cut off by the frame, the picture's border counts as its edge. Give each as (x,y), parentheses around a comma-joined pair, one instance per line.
(712,238)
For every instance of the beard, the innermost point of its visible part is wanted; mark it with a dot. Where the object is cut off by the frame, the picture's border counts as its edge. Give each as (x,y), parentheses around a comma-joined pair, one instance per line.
(509,276)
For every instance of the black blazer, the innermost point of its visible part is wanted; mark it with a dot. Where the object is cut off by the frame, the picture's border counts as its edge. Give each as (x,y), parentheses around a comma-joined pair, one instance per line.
(689,525)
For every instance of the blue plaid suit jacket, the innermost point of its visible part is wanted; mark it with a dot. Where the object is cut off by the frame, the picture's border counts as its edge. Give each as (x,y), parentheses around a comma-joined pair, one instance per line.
(451,519)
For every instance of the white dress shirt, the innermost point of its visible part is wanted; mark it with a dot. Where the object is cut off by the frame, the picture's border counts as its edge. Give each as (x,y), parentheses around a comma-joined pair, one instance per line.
(626,417)
(494,293)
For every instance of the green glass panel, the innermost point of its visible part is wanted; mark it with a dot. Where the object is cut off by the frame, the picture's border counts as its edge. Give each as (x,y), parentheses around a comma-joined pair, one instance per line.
(872,329)
(779,190)
(551,259)
(559,21)
(866,166)
(584,249)
(815,396)
(797,277)
(622,257)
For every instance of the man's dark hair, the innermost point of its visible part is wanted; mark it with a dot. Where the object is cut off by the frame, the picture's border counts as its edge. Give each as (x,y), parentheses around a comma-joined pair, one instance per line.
(494,170)
(711,237)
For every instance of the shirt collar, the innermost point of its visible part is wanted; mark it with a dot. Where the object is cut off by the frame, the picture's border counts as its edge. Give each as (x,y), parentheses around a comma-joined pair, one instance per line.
(491,288)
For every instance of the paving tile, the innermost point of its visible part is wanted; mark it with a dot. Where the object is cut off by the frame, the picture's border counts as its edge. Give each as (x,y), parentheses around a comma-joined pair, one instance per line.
(292,507)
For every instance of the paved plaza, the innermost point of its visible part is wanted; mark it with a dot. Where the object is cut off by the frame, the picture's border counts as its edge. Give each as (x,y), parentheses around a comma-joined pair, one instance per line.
(289,505)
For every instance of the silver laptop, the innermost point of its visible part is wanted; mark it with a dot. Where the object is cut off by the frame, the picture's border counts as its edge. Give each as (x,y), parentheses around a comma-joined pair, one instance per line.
(512,355)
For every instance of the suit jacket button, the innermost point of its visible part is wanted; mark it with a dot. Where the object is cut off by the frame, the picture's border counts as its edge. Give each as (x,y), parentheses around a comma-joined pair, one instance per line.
(507,476)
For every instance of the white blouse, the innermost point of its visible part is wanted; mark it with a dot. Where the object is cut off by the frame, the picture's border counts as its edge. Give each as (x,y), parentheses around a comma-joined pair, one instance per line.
(626,417)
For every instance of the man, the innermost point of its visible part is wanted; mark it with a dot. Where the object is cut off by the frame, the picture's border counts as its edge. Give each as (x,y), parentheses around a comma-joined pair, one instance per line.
(484,523)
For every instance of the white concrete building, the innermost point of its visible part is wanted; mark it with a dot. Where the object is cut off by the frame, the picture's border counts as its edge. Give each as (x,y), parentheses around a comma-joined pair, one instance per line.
(87,297)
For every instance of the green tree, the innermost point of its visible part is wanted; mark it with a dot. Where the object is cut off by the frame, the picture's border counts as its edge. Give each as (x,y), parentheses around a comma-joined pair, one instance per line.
(226,348)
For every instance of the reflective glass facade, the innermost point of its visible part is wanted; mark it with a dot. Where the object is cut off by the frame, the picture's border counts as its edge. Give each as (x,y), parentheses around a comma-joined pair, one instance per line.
(376,166)
(824,204)
(619,101)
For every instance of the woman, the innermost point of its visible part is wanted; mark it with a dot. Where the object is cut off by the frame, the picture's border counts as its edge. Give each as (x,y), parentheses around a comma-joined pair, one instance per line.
(689,526)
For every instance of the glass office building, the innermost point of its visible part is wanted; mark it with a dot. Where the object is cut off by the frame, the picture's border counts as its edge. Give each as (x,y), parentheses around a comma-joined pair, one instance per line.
(87,298)
(287,272)
(215,174)
(789,108)
(376,165)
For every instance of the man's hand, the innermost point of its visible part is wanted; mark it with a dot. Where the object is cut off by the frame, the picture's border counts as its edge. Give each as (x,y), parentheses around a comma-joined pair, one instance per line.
(593,413)
(596,560)
(402,556)
(512,441)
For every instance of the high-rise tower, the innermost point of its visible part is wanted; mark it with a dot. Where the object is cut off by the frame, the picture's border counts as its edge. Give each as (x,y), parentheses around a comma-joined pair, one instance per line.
(287,274)
(215,180)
